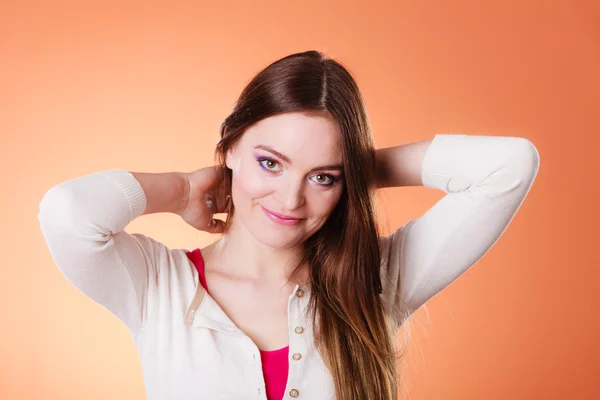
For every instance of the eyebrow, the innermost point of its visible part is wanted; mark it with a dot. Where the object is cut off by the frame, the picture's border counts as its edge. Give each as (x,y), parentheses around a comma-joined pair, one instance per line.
(287,160)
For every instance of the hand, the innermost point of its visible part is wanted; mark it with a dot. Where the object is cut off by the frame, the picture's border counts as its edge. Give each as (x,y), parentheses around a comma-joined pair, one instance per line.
(207,195)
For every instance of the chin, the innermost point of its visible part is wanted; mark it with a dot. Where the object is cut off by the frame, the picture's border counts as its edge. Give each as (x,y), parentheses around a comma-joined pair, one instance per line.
(274,238)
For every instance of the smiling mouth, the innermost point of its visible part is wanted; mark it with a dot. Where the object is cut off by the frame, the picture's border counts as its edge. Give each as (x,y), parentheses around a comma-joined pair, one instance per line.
(281,219)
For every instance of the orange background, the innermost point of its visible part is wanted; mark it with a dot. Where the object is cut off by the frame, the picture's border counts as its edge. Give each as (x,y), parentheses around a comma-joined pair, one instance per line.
(145,87)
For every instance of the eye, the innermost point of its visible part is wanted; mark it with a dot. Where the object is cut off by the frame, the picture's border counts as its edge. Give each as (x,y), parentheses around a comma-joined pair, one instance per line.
(268,164)
(324,179)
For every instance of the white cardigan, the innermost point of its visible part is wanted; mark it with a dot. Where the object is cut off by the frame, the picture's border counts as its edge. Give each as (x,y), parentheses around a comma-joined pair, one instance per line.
(190,349)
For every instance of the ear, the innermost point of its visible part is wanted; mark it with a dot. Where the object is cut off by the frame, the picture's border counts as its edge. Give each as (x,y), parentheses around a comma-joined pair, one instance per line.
(229,159)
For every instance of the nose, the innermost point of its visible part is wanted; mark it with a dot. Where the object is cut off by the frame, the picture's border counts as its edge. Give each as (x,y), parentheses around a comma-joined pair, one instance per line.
(293,195)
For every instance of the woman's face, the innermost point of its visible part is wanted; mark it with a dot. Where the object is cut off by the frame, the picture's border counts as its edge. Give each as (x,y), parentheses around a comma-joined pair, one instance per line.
(288,165)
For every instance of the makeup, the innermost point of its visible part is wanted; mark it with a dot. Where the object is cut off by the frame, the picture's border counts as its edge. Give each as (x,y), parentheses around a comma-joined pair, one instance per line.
(279,219)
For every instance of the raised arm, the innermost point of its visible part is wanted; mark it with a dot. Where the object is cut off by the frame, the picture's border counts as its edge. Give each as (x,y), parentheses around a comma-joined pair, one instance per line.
(485,178)
(83,222)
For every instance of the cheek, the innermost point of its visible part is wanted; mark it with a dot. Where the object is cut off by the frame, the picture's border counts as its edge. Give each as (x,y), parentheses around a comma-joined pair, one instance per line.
(322,204)
(249,182)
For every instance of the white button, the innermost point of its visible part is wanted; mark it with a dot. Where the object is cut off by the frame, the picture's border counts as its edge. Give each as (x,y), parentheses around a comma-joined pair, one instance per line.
(299,329)
(294,393)
(297,356)
(300,293)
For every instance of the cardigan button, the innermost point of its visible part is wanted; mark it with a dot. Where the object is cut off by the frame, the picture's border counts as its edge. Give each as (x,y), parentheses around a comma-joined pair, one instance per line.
(299,292)
(299,329)
(297,356)
(294,393)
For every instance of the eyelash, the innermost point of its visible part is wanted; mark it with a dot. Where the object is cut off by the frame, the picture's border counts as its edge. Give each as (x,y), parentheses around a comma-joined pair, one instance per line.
(332,178)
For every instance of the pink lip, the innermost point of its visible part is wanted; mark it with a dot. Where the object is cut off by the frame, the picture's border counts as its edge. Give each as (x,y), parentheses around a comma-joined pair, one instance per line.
(281,219)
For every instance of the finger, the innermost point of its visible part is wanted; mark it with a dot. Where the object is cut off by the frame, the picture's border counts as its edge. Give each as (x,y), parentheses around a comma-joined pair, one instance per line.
(216,226)
(225,207)
(223,196)
(210,203)
(212,178)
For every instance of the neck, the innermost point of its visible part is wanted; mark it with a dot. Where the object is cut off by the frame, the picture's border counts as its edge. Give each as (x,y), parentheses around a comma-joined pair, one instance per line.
(240,254)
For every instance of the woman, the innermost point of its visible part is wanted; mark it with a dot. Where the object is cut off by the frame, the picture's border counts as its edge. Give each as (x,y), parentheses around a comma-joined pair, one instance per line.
(299,297)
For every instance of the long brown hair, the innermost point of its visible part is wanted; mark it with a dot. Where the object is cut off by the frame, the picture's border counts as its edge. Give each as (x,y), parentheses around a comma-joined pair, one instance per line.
(353,334)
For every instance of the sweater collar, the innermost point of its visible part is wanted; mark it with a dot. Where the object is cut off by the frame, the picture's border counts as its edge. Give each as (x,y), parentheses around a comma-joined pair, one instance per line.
(205,312)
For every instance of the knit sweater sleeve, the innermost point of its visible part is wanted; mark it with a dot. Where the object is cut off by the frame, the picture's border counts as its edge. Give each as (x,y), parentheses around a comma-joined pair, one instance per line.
(486,179)
(83,222)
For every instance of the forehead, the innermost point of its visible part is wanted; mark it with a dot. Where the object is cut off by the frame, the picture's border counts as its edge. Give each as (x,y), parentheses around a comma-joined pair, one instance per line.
(309,139)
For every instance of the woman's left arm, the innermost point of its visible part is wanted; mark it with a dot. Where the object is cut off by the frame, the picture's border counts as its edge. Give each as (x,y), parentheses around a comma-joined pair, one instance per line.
(485,178)
(400,165)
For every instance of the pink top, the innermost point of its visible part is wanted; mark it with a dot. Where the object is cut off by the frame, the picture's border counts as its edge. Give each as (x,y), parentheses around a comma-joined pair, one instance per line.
(274,363)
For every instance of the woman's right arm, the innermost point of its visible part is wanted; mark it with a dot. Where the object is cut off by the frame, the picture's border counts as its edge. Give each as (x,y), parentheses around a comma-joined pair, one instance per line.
(165,192)
(83,222)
